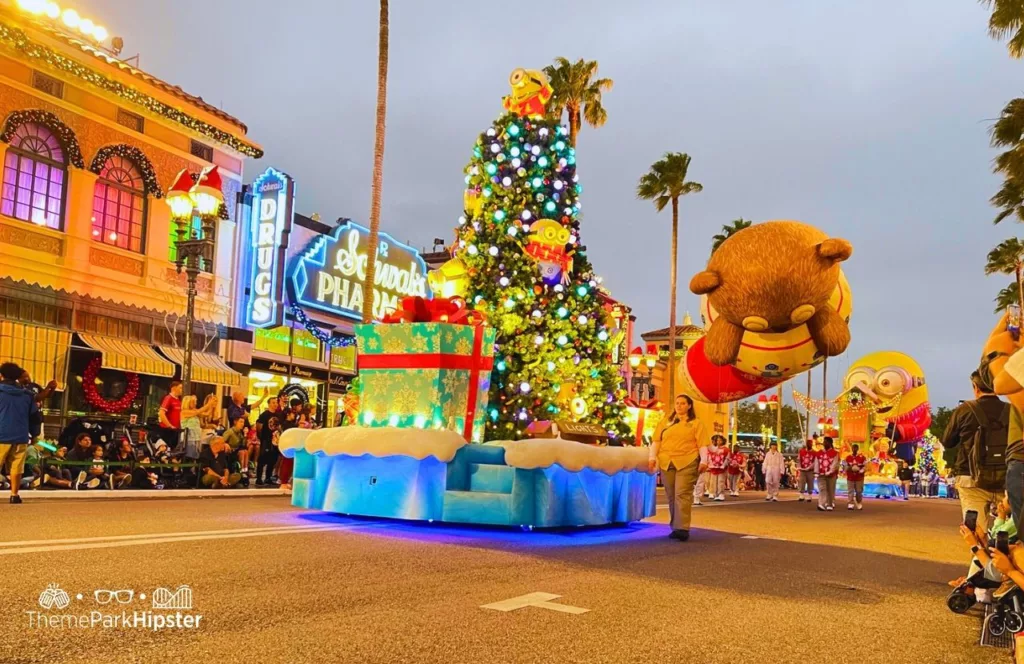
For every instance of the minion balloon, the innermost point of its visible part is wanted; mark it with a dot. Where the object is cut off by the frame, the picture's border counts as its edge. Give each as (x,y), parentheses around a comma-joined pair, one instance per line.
(546,245)
(531,92)
(894,385)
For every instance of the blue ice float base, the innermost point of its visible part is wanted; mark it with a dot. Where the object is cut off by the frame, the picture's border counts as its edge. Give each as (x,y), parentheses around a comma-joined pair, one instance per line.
(475,487)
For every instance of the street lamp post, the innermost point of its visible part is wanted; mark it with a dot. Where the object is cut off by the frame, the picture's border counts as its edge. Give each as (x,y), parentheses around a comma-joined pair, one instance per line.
(194,248)
(775,402)
(642,375)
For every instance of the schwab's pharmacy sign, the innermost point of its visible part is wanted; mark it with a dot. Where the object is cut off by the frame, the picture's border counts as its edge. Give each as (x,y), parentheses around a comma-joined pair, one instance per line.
(273,194)
(329,274)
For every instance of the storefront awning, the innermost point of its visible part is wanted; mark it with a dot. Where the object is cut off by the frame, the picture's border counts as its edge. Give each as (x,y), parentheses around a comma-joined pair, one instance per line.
(42,351)
(129,355)
(206,367)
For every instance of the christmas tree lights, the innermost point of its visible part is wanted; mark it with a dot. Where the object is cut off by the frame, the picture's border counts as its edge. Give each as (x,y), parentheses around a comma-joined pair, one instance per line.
(530,276)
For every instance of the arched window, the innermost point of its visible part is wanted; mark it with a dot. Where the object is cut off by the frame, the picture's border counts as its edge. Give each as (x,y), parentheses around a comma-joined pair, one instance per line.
(35,173)
(119,205)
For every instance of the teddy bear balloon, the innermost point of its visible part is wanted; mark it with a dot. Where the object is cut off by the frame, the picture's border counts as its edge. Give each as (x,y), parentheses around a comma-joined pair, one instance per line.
(773,277)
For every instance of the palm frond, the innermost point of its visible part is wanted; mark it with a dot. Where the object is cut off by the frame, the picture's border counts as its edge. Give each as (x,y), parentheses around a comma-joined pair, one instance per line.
(1006,297)
(666,180)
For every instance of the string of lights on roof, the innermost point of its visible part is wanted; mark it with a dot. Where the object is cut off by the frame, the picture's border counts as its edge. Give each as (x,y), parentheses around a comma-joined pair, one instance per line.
(67,17)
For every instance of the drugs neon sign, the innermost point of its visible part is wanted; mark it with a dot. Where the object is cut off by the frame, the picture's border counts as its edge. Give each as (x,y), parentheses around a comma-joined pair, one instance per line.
(273,194)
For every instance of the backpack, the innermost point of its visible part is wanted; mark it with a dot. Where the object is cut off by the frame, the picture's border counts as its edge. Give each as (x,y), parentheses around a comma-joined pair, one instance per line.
(987,457)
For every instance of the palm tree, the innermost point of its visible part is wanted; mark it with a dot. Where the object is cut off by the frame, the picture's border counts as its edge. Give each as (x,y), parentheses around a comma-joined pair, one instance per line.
(577,92)
(1008,258)
(728,230)
(1007,20)
(1006,298)
(378,164)
(664,183)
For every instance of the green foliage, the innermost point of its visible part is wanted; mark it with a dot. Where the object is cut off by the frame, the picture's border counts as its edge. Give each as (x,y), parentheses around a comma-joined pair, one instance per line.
(577,92)
(728,230)
(940,418)
(1007,23)
(750,419)
(1006,297)
(667,180)
(553,338)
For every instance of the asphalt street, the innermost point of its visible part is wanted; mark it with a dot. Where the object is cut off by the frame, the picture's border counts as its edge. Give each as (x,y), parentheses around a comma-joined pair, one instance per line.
(758,582)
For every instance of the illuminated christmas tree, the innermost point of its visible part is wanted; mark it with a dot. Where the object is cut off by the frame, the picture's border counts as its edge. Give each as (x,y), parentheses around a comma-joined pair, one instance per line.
(527,271)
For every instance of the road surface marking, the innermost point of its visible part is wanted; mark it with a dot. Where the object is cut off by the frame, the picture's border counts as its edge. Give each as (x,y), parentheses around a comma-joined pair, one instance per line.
(539,600)
(42,546)
(750,537)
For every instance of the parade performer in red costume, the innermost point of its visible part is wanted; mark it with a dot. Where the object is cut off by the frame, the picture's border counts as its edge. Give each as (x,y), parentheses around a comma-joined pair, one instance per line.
(718,459)
(737,462)
(806,460)
(828,472)
(855,464)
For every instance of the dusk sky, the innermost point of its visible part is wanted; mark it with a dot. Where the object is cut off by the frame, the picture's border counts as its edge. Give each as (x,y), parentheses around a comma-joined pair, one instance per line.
(868,119)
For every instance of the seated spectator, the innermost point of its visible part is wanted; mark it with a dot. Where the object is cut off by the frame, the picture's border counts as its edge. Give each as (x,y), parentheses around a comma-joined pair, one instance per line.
(98,469)
(213,462)
(81,456)
(121,474)
(49,469)
(238,449)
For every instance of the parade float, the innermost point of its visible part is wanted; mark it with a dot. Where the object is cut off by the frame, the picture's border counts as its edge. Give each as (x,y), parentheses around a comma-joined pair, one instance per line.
(515,345)
(775,304)
(884,410)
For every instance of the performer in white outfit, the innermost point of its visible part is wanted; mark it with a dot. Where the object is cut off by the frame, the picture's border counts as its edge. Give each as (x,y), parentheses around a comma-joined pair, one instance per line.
(774,465)
(702,471)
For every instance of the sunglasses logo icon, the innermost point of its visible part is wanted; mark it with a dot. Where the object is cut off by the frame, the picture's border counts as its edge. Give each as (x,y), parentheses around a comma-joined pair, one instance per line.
(107,596)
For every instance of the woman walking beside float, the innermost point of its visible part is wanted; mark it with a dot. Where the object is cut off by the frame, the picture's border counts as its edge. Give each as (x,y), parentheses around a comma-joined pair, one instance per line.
(676,452)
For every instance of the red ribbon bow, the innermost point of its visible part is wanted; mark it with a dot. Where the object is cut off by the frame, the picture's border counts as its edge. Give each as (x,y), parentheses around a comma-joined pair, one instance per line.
(416,309)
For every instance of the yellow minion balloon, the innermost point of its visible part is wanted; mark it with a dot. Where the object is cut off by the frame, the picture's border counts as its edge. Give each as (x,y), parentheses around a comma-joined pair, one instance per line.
(531,92)
(547,242)
(894,384)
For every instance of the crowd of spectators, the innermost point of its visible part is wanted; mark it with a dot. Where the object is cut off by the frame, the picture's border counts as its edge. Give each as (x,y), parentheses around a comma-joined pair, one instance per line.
(189,445)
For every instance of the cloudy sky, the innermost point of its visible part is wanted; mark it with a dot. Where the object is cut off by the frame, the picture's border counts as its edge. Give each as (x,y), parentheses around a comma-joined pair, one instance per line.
(868,119)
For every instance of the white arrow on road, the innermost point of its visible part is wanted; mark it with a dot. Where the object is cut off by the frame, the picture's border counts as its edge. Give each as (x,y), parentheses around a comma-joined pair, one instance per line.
(540,600)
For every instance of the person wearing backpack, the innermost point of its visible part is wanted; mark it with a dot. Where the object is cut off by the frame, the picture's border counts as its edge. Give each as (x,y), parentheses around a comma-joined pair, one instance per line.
(978,431)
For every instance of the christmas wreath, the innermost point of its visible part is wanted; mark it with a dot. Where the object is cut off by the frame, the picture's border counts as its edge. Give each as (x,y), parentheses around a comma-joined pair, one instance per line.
(92,395)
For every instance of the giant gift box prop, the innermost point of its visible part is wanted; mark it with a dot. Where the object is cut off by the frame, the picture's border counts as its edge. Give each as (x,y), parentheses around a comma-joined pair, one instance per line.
(428,366)
(643,418)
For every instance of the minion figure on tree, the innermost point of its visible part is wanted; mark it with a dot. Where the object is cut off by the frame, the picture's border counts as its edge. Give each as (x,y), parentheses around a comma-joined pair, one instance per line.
(529,274)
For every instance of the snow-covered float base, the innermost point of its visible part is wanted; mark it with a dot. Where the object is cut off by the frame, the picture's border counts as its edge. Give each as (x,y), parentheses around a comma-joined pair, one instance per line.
(880,486)
(430,475)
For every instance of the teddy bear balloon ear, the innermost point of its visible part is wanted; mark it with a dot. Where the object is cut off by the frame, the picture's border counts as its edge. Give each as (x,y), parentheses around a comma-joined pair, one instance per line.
(835,249)
(704,282)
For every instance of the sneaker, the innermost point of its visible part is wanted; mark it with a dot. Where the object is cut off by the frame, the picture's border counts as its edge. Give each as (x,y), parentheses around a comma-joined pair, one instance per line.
(259,482)
(110,482)
(719,499)
(859,506)
(681,535)
(15,500)
(775,499)
(125,483)
(906,498)
(820,508)
(36,483)
(850,506)
(767,498)
(696,501)
(829,508)
(79,480)
(92,484)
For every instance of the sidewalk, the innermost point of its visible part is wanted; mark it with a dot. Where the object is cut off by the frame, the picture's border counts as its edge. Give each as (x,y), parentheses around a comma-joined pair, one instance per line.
(148,494)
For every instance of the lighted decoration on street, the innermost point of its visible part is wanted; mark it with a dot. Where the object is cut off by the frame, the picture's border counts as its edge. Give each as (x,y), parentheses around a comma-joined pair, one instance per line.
(273,195)
(759,291)
(521,207)
(329,274)
(893,386)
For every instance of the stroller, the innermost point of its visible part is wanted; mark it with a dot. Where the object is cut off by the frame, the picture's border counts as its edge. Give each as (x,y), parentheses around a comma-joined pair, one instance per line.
(1008,610)
(965,595)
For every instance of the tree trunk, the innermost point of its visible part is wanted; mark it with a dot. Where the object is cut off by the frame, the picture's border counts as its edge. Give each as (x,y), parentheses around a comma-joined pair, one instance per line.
(574,124)
(1020,286)
(378,164)
(670,396)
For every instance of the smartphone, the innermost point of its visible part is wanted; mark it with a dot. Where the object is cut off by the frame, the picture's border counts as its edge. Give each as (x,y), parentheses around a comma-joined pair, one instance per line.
(971,520)
(1003,542)
(1013,320)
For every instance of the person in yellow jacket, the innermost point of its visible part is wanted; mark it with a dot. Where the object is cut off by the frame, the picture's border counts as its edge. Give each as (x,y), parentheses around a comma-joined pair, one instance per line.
(676,451)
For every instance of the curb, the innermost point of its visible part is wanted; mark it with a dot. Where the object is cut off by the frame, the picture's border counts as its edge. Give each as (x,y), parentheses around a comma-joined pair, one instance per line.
(148,494)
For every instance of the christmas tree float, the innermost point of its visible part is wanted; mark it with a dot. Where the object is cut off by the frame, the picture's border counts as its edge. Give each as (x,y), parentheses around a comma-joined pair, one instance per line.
(526,269)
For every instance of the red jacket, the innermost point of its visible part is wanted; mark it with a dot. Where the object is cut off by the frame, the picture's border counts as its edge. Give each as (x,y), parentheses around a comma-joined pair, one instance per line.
(807,458)
(828,462)
(737,462)
(859,460)
(717,459)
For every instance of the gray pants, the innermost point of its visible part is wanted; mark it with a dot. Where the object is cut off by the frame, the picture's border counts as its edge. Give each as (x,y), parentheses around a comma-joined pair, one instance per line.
(734,483)
(716,484)
(772,480)
(855,491)
(826,491)
(679,491)
(805,481)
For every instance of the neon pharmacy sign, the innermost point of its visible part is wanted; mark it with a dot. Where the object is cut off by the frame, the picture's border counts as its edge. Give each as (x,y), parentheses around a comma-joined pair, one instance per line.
(329,274)
(273,196)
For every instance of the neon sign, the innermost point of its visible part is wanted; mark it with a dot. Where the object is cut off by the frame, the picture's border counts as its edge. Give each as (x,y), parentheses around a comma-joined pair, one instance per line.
(273,194)
(329,274)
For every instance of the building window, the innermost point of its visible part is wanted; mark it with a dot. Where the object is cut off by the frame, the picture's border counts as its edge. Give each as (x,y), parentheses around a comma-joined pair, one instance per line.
(201,151)
(35,171)
(274,340)
(305,346)
(48,84)
(119,205)
(131,120)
